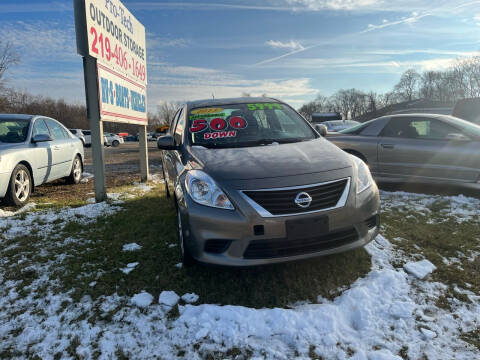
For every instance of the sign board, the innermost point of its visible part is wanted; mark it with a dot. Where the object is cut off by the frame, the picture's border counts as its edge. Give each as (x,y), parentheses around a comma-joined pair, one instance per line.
(121,99)
(117,40)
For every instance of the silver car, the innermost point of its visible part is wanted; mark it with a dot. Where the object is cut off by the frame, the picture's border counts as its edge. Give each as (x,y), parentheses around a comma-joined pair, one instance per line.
(417,148)
(113,139)
(253,183)
(35,150)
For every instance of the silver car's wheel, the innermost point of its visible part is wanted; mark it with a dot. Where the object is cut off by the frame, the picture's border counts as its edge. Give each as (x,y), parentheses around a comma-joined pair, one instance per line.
(76,172)
(187,259)
(20,186)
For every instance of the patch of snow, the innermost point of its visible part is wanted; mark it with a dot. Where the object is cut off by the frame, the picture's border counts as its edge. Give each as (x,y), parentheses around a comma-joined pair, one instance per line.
(172,245)
(428,334)
(420,269)
(131,247)
(86,177)
(142,187)
(179,265)
(142,300)
(168,298)
(190,298)
(25,208)
(129,268)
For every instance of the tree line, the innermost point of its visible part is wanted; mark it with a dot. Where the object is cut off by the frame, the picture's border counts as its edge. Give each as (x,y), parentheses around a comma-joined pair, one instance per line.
(460,81)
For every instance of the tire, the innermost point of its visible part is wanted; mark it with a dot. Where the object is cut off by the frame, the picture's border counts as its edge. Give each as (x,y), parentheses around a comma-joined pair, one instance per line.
(187,259)
(115,143)
(76,172)
(20,186)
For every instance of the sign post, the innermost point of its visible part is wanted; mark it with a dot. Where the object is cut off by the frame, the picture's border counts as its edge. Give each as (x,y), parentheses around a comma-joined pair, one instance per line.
(112,42)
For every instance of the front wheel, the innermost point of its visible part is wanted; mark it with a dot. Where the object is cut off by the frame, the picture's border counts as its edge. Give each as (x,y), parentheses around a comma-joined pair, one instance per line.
(76,172)
(20,186)
(187,259)
(115,143)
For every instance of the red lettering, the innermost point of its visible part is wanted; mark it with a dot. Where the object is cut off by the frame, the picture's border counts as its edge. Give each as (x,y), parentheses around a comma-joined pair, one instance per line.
(198,125)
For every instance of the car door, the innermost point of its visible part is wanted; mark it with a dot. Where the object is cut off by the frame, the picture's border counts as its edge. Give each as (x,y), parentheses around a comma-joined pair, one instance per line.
(170,155)
(43,158)
(423,148)
(63,149)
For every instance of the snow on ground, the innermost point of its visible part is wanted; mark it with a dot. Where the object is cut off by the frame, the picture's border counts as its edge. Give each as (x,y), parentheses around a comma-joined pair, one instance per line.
(460,207)
(27,207)
(420,269)
(131,247)
(376,318)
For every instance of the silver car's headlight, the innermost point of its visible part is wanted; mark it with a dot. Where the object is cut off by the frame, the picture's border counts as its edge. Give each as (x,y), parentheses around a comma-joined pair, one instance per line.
(364,178)
(203,190)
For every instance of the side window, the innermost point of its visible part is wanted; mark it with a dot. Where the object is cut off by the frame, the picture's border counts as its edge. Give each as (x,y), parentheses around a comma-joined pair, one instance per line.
(438,130)
(179,128)
(402,128)
(58,133)
(40,128)
(173,123)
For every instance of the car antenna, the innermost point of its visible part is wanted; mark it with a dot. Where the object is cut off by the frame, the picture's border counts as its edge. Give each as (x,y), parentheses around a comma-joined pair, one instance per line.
(213,96)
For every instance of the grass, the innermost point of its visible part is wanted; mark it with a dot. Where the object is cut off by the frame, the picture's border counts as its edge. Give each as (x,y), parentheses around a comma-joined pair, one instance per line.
(150,221)
(445,239)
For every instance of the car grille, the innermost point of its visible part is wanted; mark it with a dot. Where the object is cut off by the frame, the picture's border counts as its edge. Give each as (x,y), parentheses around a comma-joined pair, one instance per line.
(282,202)
(274,248)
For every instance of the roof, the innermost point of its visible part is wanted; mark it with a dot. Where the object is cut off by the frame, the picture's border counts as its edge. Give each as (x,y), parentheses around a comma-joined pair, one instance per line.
(218,102)
(16,117)
(426,115)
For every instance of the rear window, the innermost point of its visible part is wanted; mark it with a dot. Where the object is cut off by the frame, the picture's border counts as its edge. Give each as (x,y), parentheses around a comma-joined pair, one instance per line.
(246,125)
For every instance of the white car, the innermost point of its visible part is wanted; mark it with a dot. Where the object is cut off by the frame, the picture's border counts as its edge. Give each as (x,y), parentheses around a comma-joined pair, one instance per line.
(79,134)
(88,138)
(113,139)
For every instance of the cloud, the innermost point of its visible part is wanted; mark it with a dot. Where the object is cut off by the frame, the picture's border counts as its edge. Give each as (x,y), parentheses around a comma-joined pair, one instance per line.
(318,5)
(291,45)
(476,18)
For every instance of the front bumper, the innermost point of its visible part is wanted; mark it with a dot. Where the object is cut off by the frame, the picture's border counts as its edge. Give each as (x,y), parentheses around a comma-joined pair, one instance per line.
(226,237)
(4,182)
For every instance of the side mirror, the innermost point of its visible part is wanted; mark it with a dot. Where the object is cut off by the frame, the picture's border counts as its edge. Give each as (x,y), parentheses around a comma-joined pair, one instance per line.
(321,129)
(41,138)
(166,142)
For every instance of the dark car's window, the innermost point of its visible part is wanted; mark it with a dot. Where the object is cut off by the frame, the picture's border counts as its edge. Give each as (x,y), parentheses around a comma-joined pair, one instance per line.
(236,125)
(356,129)
(58,133)
(73,131)
(13,131)
(179,128)
(40,128)
(419,128)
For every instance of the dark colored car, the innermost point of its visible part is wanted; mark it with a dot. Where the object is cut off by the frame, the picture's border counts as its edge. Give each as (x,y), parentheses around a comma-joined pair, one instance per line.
(417,148)
(254,183)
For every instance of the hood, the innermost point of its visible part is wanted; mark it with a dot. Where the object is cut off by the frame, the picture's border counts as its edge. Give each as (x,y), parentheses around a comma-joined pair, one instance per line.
(271,161)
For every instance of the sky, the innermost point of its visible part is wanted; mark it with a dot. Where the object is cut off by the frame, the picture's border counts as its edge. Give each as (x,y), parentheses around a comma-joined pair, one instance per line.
(288,49)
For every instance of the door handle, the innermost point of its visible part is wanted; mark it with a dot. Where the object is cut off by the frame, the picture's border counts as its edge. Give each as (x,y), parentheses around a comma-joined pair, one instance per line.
(388,146)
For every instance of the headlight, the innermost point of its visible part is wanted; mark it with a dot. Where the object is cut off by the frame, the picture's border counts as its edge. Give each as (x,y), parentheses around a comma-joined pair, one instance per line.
(203,190)
(364,178)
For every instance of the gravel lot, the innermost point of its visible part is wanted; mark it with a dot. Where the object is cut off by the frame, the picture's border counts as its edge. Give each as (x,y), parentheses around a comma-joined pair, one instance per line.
(125,158)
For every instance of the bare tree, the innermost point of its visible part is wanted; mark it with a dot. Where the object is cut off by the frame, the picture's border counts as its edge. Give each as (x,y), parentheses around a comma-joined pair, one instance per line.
(166,111)
(408,85)
(8,57)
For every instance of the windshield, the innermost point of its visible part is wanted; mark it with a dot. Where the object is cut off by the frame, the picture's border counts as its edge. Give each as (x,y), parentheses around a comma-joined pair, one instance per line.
(357,128)
(13,131)
(241,125)
(469,128)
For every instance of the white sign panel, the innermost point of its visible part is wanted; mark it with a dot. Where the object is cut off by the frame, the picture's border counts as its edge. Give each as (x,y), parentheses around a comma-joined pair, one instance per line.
(121,98)
(117,40)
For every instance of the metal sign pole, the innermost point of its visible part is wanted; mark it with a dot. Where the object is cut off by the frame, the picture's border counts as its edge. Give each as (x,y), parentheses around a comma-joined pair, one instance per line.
(96,126)
(143,143)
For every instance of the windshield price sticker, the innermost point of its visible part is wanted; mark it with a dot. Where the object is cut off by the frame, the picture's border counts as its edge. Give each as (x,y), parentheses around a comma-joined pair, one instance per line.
(116,38)
(206,111)
(264,106)
(218,124)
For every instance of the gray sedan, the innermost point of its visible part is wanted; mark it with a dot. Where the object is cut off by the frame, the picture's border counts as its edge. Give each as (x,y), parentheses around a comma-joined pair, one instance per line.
(254,184)
(35,150)
(417,148)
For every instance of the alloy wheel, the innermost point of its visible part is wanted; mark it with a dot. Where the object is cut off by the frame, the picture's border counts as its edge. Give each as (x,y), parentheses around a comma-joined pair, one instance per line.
(22,185)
